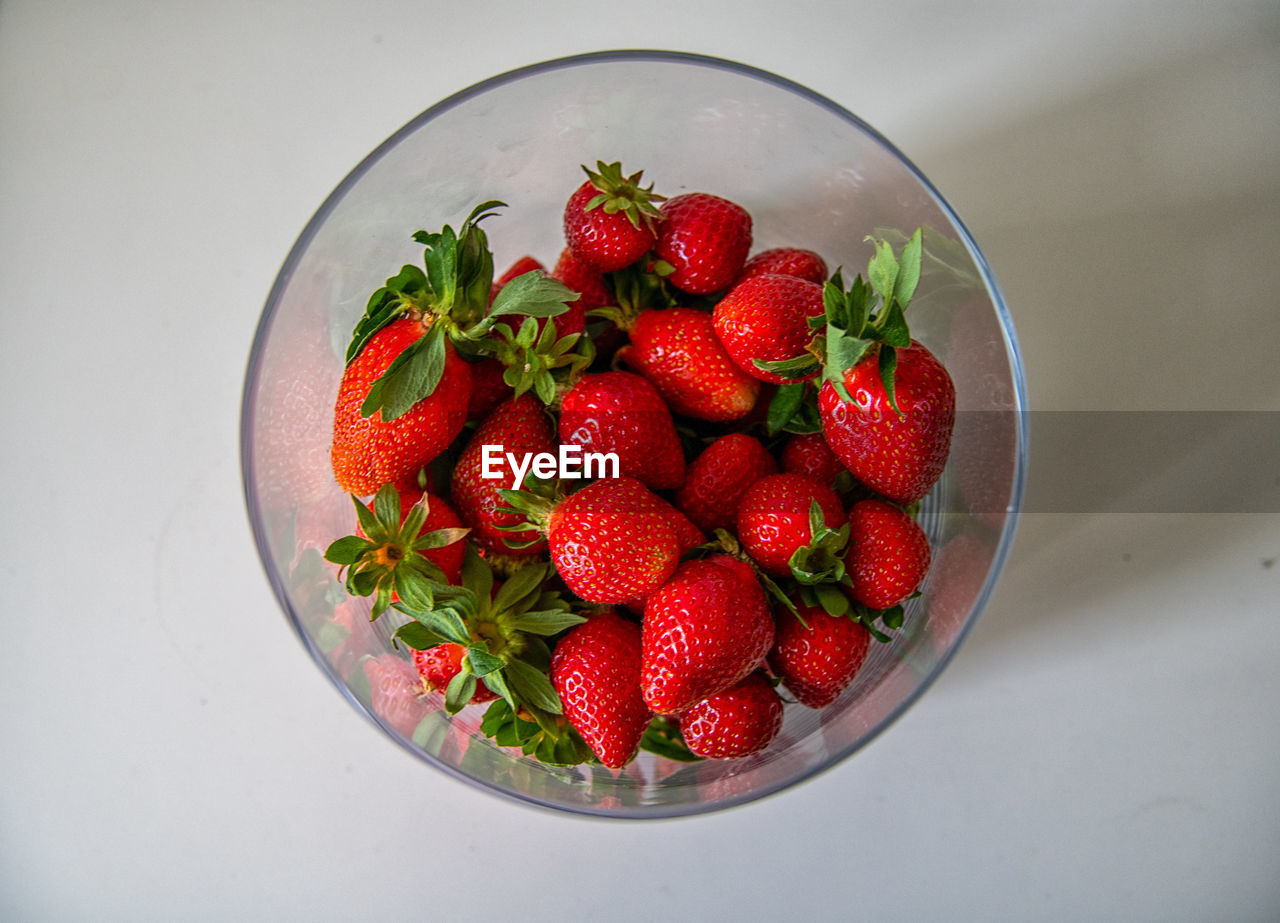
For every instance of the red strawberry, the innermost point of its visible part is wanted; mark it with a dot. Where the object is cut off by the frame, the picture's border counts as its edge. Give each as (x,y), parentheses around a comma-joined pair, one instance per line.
(718,478)
(704,630)
(369,451)
(773,518)
(787,261)
(766,318)
(677,350)
(595,669)
(817,659)
(888,554)
(809,454)
(584,279)
(622,413)
(438,665)
(705,239)
(615,540)
(739,721)
(404,393)
(609,219)
(519,426)
(488,390)
(898,455)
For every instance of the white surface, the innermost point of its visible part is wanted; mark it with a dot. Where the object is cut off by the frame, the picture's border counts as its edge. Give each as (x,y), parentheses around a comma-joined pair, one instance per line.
(1104,747)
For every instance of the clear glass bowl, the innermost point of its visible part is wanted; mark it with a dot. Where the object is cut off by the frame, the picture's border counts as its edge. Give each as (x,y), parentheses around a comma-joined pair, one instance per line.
(812,175)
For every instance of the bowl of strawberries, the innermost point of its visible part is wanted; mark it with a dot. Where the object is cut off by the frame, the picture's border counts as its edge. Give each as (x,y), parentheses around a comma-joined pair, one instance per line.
(635,434)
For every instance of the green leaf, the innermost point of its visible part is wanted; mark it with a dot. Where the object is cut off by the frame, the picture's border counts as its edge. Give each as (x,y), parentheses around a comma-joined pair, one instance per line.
(412,376)
(888,365)
(662,737)
(497,684)
(534,294)
(459,691)
(415,589)
(418,636)
(440,538)
(446,623)
(909,269)
(476,574)
(533,687)
(831,599)
(545,622)
(386,505)
(526,580)
(793,369)
(882,271)
(369,524)
(482,662)
(892,326)
(347,550)
(843,353)
(784,406)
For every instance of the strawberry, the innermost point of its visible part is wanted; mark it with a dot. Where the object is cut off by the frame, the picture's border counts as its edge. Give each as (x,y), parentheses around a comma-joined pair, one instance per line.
(583,278)
(371,450)
(704,241)
(774,518)
(817,655)
(888,554)
(886,403)
(786,261)
(595,669)
(488,390)
(437,666)
(809,454)
(407,546)
(612,541)
(718,478)
(763,323)
(609,219)
(405,390)
(519,425)
(704,630)
(739,721)
(678,351)
(897,452)
(622,413)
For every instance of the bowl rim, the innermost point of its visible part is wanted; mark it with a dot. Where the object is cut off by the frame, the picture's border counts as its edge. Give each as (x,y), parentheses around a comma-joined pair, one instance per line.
(657,56)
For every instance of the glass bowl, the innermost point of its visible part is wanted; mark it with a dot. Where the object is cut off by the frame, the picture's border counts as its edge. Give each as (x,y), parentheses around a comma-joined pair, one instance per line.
(813,175)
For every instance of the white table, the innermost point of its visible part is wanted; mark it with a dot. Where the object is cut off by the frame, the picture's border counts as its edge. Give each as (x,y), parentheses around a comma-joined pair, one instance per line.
(1105,746)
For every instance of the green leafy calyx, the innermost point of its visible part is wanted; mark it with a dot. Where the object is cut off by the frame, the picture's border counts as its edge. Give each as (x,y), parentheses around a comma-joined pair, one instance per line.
(386,559)
(502,630)
(449,294)
(619,194)
(869,317)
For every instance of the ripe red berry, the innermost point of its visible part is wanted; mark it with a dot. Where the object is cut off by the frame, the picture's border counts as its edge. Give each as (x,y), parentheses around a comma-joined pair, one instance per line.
(595,669)
(440,664)
(888,554)
(766,318)
(818,658)
(737,722)
(718,478)
(773,518)
(787,261)
(609,219)
(898,455)
(705,238)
